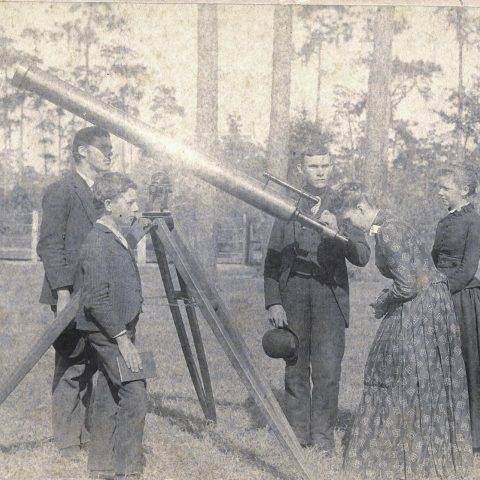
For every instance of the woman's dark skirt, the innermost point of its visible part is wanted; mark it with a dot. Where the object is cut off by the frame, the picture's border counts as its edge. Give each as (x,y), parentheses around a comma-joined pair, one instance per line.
(467,308)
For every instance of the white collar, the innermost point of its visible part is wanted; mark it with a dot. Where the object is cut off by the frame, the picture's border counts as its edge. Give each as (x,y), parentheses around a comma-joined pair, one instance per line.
(458,208)
(88,180)
(374,229)
(115,231)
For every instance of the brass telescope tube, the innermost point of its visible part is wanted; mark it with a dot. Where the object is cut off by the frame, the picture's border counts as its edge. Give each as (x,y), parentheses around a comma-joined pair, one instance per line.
(156,144)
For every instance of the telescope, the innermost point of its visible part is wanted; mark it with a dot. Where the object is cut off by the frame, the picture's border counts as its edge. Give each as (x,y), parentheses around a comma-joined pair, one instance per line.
(160,146)
(300,193)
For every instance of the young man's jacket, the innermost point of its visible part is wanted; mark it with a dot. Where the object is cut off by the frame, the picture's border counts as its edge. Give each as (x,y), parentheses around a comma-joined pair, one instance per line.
(328,256)
(110,281)
(69,212)
(68,215)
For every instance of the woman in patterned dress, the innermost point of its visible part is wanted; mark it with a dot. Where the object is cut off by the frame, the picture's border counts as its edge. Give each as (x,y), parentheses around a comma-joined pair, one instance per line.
(413,417)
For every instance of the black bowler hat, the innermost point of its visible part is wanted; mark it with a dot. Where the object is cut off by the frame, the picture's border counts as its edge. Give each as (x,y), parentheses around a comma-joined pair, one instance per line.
(281,343)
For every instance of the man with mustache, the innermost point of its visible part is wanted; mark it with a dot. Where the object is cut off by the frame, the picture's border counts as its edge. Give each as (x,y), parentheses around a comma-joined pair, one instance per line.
(69,213)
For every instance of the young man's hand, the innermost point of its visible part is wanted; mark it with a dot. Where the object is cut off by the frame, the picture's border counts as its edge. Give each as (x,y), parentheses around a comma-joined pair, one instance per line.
(277,317)
(315,209)
(129,353)
(329,219)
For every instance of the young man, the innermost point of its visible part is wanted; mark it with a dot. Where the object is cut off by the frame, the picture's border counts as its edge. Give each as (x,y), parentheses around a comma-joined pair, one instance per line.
(112,300)
(306,288)
(68,215)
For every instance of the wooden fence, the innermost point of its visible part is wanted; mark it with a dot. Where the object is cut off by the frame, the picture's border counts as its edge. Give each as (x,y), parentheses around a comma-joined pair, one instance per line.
(236,244)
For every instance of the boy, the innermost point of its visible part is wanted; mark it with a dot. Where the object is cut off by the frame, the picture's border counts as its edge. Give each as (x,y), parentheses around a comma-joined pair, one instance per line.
(112,302)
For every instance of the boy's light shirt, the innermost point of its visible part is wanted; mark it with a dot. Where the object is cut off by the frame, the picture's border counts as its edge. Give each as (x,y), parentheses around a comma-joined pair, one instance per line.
(115,231)
(88,181)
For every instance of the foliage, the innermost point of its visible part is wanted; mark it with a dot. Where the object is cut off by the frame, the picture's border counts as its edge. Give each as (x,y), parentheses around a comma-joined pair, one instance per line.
(328,25)
(99,60)
(238,151)
(469,122)
(407,77)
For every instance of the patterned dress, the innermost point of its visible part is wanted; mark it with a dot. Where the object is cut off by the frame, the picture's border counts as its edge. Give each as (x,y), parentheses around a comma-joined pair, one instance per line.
(413,417)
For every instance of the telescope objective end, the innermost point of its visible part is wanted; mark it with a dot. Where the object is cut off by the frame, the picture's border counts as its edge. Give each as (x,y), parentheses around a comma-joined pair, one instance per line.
(19,75)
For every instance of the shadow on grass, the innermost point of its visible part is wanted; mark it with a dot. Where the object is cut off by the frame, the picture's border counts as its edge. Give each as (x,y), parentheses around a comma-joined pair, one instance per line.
(257,420)
(344,417)
(27,445)
(197,428)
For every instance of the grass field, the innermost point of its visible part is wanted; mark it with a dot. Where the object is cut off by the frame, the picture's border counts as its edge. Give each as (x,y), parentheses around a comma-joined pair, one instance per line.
(239,447)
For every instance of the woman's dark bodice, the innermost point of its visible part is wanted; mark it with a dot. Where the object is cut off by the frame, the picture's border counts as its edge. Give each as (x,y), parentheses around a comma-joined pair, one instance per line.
(456,250)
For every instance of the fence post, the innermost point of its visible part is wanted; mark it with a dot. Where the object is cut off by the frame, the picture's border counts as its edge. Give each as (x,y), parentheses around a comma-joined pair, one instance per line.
(34,240)
(246,239)
(142,251)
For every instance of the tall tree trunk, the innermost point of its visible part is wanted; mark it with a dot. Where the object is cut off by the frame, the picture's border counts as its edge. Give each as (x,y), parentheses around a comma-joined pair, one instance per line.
(87,46)
(318,115)
(278,153)
(374,165)
(5,110)
(59,133)
(122,157)
(461,88)
(206,130)
(278,139)
(21,126)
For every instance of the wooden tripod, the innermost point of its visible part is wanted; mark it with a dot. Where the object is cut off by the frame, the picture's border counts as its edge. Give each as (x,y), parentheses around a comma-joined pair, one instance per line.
(200,376)
(194,285)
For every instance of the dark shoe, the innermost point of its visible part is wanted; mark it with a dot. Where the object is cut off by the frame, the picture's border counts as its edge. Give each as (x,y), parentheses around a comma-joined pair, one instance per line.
(73,453)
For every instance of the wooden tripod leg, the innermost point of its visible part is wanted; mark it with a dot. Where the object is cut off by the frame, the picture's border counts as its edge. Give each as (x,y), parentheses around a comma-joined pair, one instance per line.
(178,321)
(44,342)
(217,316)
(207,291)
(199,348)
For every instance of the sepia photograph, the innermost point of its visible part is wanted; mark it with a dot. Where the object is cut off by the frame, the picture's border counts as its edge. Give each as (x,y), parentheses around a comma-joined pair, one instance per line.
(239,241)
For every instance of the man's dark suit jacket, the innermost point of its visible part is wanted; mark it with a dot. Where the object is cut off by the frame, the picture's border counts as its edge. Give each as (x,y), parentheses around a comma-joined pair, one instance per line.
(110,280)
(331,254)
(68,215)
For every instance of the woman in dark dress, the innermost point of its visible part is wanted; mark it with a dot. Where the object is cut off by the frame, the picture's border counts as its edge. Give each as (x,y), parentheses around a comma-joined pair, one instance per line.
(456,253)
(413,418)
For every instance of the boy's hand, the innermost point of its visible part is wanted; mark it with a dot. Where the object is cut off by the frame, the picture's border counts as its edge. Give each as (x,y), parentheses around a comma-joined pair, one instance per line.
(145,224)
(63,298)
(129,353)
(277,316)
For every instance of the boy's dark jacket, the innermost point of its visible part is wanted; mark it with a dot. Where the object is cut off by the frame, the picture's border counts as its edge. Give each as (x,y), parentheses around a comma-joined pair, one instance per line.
(331,257)
(110,280)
